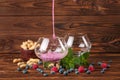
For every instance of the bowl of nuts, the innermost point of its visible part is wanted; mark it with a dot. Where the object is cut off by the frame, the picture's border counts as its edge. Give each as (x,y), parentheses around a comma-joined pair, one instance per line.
(27,50)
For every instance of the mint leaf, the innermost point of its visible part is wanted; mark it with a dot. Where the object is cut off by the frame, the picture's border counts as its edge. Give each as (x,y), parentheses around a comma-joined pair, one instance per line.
(70,61)
(65,62)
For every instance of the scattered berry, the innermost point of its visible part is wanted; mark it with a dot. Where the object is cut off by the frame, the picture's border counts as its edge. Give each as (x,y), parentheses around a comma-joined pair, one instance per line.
(25,71)
(104,65)
(68,71)
(41,71)
(38,69)
(45,74)
(81,69)
(35,66)
(52,72)
(19,69)
(40,62)
(27,67)
(88,72)
(30,66)
(91,68)
(76,72)
(71,69)
(65,73)
(54,68)
(76,69)
(61,71)
(102,71)
(60,67)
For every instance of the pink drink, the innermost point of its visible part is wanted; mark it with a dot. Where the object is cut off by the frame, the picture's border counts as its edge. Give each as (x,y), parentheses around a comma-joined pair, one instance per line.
(52,56)
(53,19)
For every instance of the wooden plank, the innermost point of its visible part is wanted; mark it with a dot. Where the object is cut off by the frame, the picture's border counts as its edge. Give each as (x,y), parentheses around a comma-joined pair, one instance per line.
(8,69)
(15,30)
(62,7)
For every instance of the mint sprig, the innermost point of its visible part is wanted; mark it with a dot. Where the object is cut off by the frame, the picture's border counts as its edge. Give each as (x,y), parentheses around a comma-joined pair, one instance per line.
(70,61)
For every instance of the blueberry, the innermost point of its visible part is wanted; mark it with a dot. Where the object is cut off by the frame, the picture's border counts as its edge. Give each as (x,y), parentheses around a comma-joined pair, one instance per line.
(27,67)
(45,74)
(30,66)
(88,72)
(102,71)
(76,69)
(76,72)
(99,63)
(38,69)
(85,69)
(71,69)
(108,66)
(19,69)
(52,72)
(60,67)
(42,71)
(25,71)
(61,71)
(68,71)
(65,73)
(40,62)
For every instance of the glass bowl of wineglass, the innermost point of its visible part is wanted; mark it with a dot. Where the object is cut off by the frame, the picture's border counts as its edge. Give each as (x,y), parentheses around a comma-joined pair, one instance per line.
(50,49)
(81,46)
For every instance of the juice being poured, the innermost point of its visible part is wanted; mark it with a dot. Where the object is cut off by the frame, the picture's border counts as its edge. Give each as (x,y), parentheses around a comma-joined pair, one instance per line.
(51,49)
(53,19)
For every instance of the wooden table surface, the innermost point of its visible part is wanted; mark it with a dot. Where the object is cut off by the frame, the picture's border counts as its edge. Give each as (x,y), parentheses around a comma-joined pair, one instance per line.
(8,69)
(21,20)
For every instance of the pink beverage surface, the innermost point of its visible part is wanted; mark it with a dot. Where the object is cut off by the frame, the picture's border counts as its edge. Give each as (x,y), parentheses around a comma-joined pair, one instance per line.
(52,56)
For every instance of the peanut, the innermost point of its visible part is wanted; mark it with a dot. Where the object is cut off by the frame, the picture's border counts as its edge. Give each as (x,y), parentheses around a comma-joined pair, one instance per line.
(20,63)
(17,60)
(22,66)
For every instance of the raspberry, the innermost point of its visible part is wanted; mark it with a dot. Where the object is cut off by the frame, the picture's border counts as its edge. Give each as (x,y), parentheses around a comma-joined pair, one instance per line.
(81,69)
(34,66)
(91,68)
(54,68)
(104,65)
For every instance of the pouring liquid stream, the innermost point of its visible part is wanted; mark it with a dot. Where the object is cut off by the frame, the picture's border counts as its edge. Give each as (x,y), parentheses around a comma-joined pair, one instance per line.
(53,18)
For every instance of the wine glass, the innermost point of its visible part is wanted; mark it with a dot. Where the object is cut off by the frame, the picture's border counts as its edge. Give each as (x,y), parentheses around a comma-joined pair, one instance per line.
(80,45)
(50,49)
(79,42)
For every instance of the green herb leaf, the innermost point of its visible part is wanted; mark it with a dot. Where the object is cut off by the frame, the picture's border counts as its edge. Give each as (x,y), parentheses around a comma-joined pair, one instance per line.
(70,61)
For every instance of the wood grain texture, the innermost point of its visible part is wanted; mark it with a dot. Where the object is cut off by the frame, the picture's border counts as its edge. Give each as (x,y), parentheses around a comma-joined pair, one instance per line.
(21,20)
(62,7)
(8,69)
(15,30)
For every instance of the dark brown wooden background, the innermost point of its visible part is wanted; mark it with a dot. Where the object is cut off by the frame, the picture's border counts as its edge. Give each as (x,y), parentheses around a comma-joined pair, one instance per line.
(29,19)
